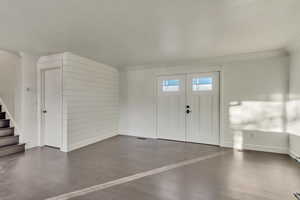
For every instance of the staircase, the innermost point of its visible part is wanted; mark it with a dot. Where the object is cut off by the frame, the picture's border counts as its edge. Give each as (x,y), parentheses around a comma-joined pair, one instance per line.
(9,142)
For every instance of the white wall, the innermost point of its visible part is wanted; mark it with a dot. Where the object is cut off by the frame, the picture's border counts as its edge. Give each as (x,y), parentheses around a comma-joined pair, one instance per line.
(18,91)
(294,103)
(9,65)
(254,97)
(91,102)
(27,100)
(254,89)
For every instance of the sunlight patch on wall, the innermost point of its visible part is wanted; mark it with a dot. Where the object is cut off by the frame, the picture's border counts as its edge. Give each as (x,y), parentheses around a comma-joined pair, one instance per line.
(293,117)
(238,140)
(264,116)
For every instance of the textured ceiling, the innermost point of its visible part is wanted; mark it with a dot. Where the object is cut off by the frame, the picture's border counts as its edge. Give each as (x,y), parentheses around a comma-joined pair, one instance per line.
(130,32)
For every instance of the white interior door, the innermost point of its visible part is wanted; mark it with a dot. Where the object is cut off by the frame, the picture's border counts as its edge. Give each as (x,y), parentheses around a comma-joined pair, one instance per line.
(203,100)
(52,108)
(188,108)
(171,107)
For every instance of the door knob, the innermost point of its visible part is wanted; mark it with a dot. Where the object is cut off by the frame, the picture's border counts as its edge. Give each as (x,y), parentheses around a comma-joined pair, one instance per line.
(188,111)
(44,111)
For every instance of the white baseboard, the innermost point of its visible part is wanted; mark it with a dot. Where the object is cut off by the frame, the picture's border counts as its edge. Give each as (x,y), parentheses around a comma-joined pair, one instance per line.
(294,155)
(253,147)
(271,149)
(280,150)
(89,141)
(135,135)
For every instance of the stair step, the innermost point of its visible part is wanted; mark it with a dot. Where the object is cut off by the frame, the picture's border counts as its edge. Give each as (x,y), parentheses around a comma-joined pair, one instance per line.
(9,140)
(7,131)
(4,123)
(2,115)
(5,151)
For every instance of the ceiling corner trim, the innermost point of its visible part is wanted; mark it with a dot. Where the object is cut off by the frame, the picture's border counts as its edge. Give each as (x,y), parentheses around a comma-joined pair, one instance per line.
(294,45)
(219,60)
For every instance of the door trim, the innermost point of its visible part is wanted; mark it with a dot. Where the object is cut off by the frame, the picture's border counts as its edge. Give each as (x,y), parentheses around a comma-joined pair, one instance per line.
(221,100)
(40,93)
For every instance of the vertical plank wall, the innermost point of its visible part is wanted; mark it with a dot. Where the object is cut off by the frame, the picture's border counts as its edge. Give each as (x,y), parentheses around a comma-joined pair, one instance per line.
(91,102)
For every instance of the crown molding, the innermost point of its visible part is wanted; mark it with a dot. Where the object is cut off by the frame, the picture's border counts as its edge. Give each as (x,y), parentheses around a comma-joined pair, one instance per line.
(294,45)
(211,60)
(15,53)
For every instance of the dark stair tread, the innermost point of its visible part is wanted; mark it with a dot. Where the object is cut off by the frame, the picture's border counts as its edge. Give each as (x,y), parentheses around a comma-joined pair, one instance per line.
(12,146)
(8,131)
(7,128)
(17,147)
(2,113)
(9,136)
(4,123)
(9,140)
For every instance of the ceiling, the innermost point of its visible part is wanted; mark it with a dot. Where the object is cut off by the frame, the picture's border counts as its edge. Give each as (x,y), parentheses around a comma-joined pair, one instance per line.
(131,32)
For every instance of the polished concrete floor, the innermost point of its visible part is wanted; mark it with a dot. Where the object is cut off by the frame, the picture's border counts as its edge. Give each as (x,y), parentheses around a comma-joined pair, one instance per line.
(41,173)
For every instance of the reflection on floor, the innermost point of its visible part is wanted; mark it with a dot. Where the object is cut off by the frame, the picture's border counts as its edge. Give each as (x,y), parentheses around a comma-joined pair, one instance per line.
(43,172)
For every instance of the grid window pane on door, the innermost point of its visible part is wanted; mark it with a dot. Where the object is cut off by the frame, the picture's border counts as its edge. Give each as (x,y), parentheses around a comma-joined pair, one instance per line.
(202,84)
(171,85)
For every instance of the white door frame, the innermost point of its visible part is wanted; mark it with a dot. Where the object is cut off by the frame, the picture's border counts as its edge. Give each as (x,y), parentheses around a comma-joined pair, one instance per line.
(40,87)
(221,106)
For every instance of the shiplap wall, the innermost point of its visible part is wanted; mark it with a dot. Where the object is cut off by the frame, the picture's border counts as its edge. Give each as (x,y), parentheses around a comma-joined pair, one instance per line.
(90,93)
(90,99)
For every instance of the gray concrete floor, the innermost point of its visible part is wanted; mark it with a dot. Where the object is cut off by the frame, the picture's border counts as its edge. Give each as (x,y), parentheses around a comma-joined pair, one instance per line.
(44,172)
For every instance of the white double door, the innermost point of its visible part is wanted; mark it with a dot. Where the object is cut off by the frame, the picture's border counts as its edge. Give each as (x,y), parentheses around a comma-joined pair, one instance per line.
(188,107)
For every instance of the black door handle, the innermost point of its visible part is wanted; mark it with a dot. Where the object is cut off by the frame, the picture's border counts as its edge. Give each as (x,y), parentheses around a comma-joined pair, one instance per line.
(44,111)
(188,111)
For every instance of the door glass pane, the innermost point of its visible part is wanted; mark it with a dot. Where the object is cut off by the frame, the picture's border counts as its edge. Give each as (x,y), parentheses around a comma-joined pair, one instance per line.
(170,85)
(202,84)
